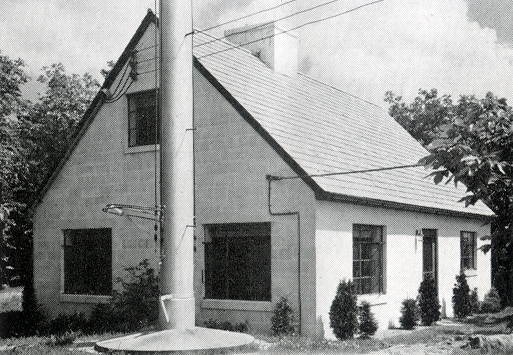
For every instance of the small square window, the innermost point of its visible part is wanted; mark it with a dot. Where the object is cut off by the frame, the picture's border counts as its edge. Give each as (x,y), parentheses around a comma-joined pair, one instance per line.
(238,262)
(143,125)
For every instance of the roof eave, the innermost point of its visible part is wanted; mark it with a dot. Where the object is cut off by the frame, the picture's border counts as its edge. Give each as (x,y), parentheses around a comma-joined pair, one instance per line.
(365,201)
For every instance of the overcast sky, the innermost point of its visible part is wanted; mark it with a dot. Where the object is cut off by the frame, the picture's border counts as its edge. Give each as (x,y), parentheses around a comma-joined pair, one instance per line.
(456,46)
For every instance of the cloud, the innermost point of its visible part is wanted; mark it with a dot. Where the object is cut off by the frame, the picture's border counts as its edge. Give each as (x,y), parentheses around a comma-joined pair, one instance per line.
(397,45)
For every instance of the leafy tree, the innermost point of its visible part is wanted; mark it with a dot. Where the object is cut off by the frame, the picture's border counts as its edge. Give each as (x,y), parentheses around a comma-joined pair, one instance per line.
(12,153)
(429,306)
(33,139)
(471,144)
(461,297)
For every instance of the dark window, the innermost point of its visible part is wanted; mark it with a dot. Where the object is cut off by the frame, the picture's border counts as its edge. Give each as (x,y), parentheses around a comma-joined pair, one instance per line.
(88,261)
(142,119)
(468,247)
(368,259)
(238,262)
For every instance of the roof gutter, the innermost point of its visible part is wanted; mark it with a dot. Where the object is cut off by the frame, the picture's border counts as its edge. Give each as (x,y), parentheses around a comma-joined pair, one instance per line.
(322,195)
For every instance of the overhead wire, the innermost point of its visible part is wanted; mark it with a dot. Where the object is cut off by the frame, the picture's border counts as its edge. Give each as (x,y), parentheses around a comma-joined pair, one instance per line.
(246,16)
(289,30)
(279,19)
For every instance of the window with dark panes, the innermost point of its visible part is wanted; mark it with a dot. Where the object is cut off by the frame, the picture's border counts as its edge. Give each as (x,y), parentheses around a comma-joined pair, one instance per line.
(88,261)
(468,247)
(368,259)
(143,126)
(238,262)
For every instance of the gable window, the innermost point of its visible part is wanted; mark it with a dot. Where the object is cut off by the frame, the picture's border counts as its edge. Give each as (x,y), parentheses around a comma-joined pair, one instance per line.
(468,247)
(143,128)
(238,262)
(88,261)
(368,259)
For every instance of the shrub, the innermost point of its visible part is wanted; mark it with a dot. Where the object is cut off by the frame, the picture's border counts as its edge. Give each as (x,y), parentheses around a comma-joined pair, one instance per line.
(429,305)
(136,304)
(491,302)
(283,318)
(65,324)
(367,321)
(32,317)
(409,314)
(474,301)
(461,297)
(226,325)
(343,311)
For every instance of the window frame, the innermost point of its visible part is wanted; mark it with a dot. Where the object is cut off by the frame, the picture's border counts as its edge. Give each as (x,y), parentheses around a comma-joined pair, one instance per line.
(378,234)
(473,245)
(132,109)
(74,243)
(226,249)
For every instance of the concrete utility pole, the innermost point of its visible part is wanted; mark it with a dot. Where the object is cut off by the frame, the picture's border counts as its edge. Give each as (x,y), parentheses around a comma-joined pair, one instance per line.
(177,268)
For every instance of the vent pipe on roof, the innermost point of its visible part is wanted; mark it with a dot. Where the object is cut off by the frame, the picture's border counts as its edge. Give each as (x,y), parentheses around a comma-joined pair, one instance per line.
(274,45)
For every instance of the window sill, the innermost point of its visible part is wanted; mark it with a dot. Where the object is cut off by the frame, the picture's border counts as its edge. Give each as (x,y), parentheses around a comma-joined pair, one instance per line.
(141,149)
(470,272)
(84,298)
(375,299)
(261,306)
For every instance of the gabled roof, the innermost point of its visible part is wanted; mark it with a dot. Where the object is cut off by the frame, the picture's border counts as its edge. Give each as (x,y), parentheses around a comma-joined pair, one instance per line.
(319,129)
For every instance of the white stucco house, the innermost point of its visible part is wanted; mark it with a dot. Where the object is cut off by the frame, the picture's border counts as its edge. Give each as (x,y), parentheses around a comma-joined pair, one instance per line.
(298,185)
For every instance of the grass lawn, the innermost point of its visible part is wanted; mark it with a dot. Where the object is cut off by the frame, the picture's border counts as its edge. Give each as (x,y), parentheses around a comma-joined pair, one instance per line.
(444,338)
(10,299)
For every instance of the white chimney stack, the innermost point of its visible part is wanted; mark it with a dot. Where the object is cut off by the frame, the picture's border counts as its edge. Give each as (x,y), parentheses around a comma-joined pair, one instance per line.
(274,45)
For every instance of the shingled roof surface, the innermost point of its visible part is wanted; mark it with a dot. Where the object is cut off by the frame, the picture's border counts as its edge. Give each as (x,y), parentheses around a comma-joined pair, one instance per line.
(326,130)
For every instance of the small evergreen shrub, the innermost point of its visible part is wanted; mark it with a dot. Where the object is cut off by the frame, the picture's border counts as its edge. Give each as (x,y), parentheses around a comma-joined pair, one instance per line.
(474,301)
(461,297)
(429,305)
(283,319)
(491,302)
(32,316)
(343,311)
(409,314)
(367,322)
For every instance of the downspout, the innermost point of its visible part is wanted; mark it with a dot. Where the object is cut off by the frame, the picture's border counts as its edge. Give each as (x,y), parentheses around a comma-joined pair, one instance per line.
(271,178)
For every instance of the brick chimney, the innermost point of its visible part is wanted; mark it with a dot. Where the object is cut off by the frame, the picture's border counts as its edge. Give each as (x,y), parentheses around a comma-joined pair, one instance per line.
(271,43)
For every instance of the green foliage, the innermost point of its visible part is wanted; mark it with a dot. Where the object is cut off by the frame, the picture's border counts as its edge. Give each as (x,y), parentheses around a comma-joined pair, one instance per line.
(461,297)
(472,144)
(137,303)
(282,322)
(429,306)
(343,311)
(409,314)
(226,325)
(366,320)
(474,301)
(491,302)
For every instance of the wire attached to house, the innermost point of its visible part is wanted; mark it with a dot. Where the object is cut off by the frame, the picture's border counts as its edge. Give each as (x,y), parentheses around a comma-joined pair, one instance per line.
(271,177)
(289,30)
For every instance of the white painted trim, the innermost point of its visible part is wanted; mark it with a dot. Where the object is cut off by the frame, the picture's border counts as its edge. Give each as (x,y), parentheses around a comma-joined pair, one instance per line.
(238,305)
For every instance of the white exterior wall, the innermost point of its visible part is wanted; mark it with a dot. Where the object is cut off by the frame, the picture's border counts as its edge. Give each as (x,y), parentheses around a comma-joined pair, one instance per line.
(102,169)
(232,161)
(403,255)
